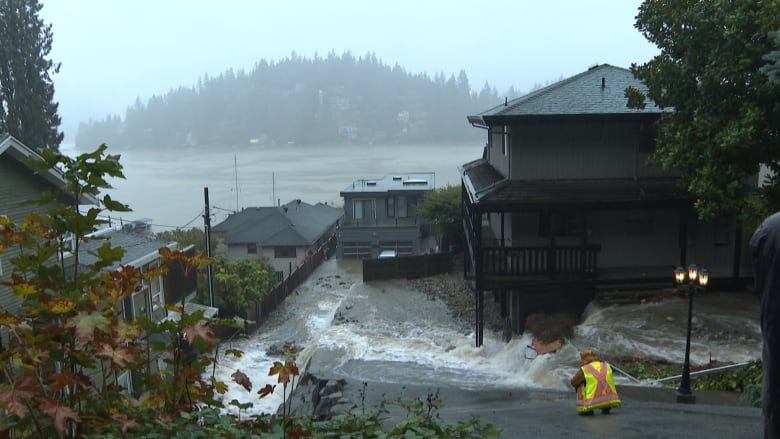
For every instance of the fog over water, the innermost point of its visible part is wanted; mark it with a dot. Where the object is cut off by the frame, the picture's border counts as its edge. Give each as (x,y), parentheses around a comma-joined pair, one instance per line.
(167,185)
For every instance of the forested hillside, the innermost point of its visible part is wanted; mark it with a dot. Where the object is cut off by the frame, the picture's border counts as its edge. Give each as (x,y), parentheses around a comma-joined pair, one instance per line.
(331,100)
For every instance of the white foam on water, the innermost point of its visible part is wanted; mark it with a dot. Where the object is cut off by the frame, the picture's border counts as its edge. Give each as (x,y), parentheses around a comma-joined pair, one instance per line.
(384,332)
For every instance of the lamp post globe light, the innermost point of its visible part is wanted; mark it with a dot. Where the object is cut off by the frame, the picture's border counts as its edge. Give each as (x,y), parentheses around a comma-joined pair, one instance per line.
(696,278)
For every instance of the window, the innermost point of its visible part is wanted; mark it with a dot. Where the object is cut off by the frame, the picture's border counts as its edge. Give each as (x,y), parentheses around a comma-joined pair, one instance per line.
(402,208)
(279,276)
(364,209)
(251,249)
(505,141)
(722,232)
(391,207)
(284,251)
(154,284)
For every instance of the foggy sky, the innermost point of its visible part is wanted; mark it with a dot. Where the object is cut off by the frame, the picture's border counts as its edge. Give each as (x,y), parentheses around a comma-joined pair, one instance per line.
(113,51)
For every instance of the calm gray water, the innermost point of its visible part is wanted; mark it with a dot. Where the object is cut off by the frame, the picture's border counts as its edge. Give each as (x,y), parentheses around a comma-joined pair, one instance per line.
(167,185)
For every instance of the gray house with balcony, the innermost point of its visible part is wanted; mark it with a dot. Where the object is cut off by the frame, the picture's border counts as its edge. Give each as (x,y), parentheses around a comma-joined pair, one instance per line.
(564,202)
(381,214)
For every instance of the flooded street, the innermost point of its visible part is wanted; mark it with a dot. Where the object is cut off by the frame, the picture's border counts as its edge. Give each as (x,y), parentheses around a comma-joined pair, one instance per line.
(383,332)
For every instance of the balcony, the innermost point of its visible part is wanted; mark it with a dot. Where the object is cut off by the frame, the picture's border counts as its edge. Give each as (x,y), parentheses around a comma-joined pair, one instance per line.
(510,266)
(380,223)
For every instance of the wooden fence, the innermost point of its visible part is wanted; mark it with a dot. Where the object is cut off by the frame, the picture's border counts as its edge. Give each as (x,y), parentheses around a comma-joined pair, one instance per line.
(257,314)
(407,267)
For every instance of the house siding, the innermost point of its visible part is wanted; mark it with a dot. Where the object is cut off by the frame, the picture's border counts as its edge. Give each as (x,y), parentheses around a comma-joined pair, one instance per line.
(17,185)
(605,148)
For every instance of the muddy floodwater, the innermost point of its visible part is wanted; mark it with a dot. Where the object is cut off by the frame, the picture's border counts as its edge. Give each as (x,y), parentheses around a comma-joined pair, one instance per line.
(385,332)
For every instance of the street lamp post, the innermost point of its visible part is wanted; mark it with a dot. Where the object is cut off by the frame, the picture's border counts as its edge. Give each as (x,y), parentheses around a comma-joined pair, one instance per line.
(697,278)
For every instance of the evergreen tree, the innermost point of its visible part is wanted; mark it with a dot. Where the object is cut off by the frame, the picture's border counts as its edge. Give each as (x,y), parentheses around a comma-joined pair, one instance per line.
(27,108)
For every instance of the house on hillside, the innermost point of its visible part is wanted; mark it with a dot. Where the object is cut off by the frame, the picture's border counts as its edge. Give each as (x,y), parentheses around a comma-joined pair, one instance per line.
(286,235)
(20,183)
(564,202)
(142,251)
(381,214)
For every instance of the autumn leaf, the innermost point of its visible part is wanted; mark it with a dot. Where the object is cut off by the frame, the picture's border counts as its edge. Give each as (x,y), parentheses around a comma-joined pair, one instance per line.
(285,372)
(14,398)
(60,414)
(86,324)
(6,318)
(60,305)
(265,391)
(126,423)
(198,330)
(119,356)
(241,378)
(219,386)
(66,379)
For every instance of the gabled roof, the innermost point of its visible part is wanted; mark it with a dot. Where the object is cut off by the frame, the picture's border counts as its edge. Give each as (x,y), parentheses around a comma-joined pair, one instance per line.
(139,249)
(295,224)
(399,182)
(11,147)
(599,90)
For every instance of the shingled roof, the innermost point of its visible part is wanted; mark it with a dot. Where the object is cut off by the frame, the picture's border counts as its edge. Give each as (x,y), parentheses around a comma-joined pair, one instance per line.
(139,249)
(598,90)
(295,223)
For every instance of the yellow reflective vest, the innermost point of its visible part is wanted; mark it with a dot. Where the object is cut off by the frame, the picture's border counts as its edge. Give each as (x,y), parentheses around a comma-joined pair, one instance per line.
(599,391)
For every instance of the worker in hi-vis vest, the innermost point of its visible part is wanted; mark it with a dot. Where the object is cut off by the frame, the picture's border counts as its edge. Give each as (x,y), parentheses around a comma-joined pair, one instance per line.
(594,384)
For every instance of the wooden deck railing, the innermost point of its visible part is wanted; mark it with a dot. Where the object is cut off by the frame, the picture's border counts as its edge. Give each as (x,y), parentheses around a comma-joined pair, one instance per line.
(547,262)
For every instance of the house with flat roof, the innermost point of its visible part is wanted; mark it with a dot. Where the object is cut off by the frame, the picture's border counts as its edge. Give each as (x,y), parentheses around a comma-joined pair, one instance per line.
(285,235)
(381,214)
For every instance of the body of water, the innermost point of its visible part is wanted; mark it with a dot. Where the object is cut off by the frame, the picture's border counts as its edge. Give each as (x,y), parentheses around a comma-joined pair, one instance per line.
(166,185)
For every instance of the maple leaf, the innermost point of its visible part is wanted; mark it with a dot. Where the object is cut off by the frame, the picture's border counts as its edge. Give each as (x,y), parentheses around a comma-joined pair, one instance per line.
(6,318)
(265,391)
(60,414)
(192,332)
(23,389)
(119,356)
(219,386)
(241,378)
(126,423)
(285,371)
(60,305)
(86,324)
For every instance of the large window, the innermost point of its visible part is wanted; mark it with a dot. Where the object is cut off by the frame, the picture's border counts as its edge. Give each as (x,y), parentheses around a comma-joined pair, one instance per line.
(284,251)
(364,209)
(391,207)
(402,208)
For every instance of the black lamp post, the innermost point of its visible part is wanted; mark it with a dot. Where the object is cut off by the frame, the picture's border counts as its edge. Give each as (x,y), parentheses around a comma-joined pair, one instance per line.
(697,278)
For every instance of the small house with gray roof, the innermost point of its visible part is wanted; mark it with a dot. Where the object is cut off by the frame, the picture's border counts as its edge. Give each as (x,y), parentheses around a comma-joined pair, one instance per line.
(142,251)
(381,215)
(285,235)
(565,202)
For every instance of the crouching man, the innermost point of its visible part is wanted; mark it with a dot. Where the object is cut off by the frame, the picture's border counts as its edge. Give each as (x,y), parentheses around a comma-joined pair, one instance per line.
(594,384)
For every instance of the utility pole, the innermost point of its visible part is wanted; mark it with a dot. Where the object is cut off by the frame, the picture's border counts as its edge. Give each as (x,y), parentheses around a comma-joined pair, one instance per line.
(209,268)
